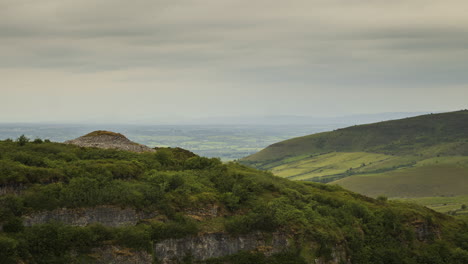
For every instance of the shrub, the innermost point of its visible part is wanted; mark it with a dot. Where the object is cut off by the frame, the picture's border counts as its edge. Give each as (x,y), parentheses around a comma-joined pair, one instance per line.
(22,140)
(382,198)
(260,220)
(137,237)
(179,228)
(29,159)
(201,163)
(13,225)
(230,200)
(8,250)
(38,141)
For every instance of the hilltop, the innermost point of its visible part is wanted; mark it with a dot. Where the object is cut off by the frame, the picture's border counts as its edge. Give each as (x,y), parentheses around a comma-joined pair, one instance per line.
(413,157)
(60,203)
(108,140)
(415,135)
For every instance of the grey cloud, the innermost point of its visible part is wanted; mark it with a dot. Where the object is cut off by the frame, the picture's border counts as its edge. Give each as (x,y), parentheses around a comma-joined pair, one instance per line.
(310,47)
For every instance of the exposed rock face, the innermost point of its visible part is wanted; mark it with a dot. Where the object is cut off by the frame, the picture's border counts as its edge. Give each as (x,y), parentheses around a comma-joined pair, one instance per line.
(105,215)
(338,256)
(203,247)
(215,245)
(108,140)
(424,231)
(118,255)
(15,189)
(208,212)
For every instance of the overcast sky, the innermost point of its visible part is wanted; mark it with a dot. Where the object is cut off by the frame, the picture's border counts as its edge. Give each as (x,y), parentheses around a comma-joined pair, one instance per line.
(120,61)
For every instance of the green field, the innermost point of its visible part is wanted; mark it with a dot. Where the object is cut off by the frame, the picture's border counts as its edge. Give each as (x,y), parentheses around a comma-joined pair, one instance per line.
(452,204)
(420,181)
(340,164)
(328,164)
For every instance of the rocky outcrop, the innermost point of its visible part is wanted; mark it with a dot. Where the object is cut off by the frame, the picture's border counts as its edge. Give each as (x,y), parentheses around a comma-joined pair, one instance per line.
(119,255)
(424,231)
(338,256)
(207,246)
(207,212)
(105,215)
(108,140)
(215,245)
(14,189)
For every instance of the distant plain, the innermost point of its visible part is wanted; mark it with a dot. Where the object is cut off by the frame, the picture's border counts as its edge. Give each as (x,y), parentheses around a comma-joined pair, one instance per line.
(228,142)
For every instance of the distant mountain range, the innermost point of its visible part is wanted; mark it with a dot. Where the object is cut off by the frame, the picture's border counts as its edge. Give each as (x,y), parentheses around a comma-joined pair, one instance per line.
(297,119)
(319,118)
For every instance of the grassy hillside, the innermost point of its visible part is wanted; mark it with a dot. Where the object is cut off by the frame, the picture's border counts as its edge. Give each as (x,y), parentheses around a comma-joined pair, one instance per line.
(421,181)
(419,157)
(333,165)
(443,134)
(317,218)
(454,205)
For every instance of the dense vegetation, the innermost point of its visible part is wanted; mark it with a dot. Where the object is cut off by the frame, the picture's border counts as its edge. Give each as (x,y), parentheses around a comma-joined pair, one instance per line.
(319,219)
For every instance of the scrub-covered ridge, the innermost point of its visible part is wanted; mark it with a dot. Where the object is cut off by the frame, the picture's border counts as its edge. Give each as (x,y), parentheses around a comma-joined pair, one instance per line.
(62,203)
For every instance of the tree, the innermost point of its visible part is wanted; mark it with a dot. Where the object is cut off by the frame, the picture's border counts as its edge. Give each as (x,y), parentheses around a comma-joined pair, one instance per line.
(382,198)
(22,140)
(37,141)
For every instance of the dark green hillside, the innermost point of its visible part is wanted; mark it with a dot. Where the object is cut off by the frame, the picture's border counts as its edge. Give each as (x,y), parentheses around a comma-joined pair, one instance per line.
(174,188)
(410,136)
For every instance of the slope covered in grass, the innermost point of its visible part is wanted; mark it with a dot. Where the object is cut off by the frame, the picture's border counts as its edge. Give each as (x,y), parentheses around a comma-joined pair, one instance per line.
(413,157)
(339,164)
(455,205)
(421,181)
(443,134)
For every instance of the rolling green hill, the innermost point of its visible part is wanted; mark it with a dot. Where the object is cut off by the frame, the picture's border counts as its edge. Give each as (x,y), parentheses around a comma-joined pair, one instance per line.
(62,203)
(413,157)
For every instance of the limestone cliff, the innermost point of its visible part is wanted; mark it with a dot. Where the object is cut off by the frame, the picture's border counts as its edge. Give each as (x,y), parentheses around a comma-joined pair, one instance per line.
(207,246)
(12,189)
(119,255)
(218,245)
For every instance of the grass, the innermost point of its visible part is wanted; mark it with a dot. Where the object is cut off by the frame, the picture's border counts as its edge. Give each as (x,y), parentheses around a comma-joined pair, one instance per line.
(103,133)
(212,225)
(443,134)
(457,161)
(442,204)
(329,164)
(424,156)
(420,181)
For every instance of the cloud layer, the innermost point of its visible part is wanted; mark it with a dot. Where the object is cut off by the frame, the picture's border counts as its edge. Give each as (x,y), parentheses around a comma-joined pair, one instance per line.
(123,60)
